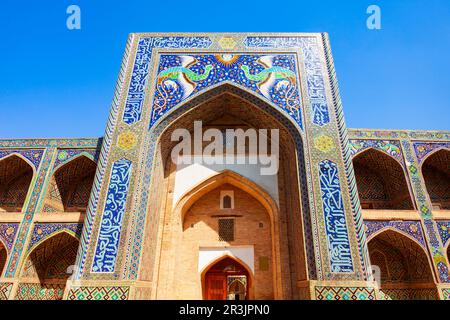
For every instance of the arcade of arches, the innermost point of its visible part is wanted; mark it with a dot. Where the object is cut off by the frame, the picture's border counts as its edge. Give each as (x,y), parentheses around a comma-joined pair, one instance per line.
(50,259)
(224,231)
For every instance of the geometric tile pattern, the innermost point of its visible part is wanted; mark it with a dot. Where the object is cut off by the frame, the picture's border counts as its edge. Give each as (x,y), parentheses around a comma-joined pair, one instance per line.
(422,149)
(5,290)
(99,293)
(65,155)
(37,291)
(444,231)
(8,233)
(45,230)
(391,147)
(411,228)
(344,293)
(446,293)
(409,294)
(33,155)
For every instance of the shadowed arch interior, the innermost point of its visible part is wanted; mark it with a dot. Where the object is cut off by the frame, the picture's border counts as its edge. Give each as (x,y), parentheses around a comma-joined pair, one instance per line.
(436,173)
(70,186)
(381,182)
(47,267)
(15,178)
(405,271)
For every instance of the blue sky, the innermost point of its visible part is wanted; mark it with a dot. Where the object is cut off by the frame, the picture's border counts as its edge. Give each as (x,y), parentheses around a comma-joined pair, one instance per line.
(59,83)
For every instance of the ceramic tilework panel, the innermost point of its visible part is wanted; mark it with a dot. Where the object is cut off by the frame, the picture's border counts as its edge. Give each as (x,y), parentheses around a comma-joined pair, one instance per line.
(313,67)
(33,205)
(111,223)
(65,155)
(411,228)
(335,222)
(8,233)
(5,290)
(423,149)
(99,293)
(444,231)
(34,156)
(138,83)
(273,77)
(397,134)
(366,273)
(391,147)
(344,293)
(445,293)
(408,294)
(43,231)
(37,291)
(102,163)
(439,260)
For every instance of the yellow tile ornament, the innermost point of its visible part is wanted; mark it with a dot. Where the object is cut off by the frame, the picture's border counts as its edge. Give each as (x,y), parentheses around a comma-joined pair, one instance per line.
(227,43)
(127,140)
(324,143)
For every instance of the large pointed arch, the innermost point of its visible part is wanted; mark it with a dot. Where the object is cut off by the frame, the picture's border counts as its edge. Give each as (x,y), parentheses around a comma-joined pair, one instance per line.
(252,112)
(382,181)
(16,175)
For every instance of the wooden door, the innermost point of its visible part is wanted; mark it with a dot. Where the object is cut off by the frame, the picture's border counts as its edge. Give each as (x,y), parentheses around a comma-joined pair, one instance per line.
(216,287)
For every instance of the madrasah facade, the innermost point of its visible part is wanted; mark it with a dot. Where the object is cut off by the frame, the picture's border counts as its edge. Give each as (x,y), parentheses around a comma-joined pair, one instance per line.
(349,214)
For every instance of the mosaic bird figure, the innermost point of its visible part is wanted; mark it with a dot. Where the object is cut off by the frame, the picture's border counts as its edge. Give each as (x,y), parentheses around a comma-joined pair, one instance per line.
(183,76)
(266,78)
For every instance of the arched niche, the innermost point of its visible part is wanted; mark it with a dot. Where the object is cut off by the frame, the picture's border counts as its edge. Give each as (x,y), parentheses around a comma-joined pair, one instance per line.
(70,186)
(16,174)
(405,270)
(47,268)
(381,181)
(436,173)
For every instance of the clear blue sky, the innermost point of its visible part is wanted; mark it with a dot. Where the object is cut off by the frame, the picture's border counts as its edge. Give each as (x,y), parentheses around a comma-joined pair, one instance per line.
(59,83)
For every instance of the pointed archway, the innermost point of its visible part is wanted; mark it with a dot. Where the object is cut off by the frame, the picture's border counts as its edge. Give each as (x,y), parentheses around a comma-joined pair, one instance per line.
(47,268)
(227,279)
(228,107)
(15,178)
(381,182)
(70,186)
(436,173)
(404,266)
